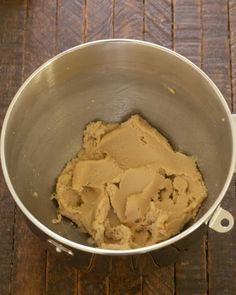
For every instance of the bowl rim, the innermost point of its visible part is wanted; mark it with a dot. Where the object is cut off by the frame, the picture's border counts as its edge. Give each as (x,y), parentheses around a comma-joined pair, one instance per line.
(97,250)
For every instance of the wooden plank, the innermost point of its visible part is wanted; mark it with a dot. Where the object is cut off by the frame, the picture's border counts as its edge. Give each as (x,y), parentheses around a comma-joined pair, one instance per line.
(191,272)
(158,22)
(156,280)
(128,19)
(96,280)
(216,57)
(232,27)
(216,62)
(12,18)
(99,20)
(70,23)
(40,35)
(61,278)
(157,29)
(30,256)
(187,29)
(6,231)
(123,279)
(29,260)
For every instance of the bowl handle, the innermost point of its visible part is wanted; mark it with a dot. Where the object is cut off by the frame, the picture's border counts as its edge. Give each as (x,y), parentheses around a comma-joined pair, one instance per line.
(221,221)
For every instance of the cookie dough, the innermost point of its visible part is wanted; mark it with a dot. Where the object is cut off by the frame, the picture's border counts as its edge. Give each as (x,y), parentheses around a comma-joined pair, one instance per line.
(127,187)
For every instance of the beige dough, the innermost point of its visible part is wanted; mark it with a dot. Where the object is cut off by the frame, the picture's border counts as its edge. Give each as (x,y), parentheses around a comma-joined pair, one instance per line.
(127,187)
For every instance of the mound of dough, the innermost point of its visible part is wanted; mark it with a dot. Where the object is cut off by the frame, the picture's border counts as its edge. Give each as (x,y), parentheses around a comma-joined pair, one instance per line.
(127,187)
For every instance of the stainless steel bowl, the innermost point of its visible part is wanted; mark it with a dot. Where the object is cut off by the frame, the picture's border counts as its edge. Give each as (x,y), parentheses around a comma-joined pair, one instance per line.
(109,80)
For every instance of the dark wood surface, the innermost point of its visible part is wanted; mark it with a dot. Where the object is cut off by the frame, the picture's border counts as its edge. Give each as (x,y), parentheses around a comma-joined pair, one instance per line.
(32,31)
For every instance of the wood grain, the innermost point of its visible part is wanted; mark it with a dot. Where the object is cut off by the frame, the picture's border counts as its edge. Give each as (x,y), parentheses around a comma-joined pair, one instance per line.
(216,62)
(29,260)
(123,279)
(128,19)
(216,58)
(191,272)
(232,28)
(99,20)
(30,256)
(12,17)
(40,34)
(158,22)
(96,280)
(61,278)
(187,29)
(70,23)
(156,280)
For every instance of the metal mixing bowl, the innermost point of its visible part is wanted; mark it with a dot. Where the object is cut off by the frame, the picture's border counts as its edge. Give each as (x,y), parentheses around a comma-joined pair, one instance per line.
(109,80)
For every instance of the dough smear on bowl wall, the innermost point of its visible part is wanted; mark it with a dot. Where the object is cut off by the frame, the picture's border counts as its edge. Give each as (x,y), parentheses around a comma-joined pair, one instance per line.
(127,187)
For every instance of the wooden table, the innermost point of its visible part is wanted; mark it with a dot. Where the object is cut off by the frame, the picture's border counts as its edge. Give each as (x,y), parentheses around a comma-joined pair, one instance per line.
(33,31)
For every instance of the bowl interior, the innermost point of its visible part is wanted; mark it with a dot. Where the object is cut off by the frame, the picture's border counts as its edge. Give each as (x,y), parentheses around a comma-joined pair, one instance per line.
(110,81)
